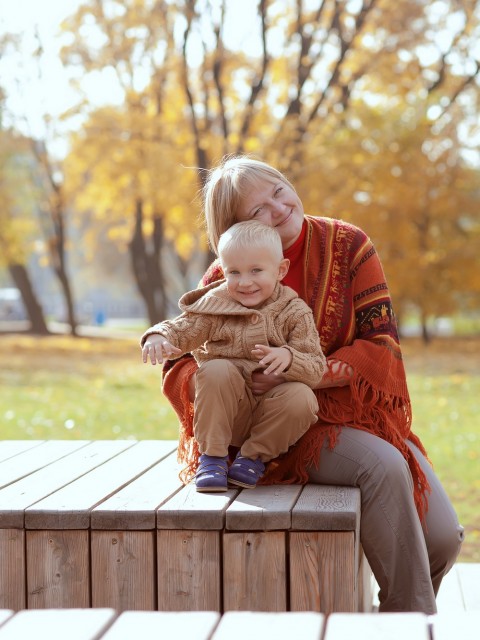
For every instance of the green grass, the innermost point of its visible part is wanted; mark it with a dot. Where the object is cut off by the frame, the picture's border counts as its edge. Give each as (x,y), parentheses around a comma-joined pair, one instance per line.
(57,387)
(80,389)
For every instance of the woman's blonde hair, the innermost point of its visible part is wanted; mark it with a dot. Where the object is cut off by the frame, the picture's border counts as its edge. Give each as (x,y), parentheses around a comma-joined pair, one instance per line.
(226,186)
(250,235)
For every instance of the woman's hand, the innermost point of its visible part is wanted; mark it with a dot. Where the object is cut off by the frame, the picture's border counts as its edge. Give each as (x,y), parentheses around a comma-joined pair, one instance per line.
(261,382)
(158,349)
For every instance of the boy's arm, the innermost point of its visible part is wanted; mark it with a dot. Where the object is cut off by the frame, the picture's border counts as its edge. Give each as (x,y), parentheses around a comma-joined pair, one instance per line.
(308,362)
(173,338)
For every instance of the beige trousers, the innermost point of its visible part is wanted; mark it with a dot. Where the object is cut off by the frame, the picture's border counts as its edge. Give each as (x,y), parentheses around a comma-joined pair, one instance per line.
(408,559)
(227,413)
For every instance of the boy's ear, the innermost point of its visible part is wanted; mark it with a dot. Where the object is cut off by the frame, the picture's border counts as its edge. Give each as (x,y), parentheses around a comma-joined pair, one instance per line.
(283,268)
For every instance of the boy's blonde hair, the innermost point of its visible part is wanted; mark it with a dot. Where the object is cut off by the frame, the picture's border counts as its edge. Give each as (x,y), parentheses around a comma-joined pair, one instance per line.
(250,235)
(227,185)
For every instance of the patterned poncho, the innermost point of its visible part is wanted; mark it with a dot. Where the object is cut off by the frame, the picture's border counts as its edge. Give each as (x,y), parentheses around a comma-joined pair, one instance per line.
(344,284)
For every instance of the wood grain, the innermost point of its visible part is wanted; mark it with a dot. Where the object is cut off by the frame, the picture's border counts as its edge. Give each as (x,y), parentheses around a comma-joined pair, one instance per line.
(123,570)
(323,571)
(12,569)
(189,570)
(263,508)
(58,569)
(254,571)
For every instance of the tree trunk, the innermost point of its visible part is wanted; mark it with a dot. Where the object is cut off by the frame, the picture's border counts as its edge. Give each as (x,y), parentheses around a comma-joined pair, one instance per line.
(426,337)
(32,306)
(53,223)
(145,254)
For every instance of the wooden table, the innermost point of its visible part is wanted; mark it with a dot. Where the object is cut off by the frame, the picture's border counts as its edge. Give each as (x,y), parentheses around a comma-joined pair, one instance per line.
(107,524)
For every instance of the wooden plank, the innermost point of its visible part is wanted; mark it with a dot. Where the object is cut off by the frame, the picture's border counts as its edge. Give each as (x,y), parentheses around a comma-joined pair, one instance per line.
(372,626)
(70,507)
(189,509)
(323,571)
(327,508)
(450,595)
(469,574)
(190,625)
(58,569)
(74,624)
(265,508)
(17,497)
(464,625)
(123,570)
(254,571)
(5,614)
(10,448)
(12,569)
(33,459)
(281,626)
(134,506)
(189,570)
(366,585)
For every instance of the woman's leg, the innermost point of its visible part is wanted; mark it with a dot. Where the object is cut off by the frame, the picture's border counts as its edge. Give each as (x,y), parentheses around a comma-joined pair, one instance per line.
(443,534)
(391,533)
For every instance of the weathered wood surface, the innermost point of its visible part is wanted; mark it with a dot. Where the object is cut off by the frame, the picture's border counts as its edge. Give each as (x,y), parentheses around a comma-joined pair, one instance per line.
(108,524)
(71,506)
(107,624)
(364,626)
(281,626)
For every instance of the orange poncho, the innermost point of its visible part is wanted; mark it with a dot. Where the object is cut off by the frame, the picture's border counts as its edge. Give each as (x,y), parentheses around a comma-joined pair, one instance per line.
(344,284)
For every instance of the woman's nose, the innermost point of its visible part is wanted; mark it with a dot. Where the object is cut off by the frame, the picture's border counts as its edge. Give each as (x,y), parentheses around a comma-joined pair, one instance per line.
(276,209)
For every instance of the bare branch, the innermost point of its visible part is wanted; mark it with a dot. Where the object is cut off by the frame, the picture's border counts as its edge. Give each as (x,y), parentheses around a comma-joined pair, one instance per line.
(258,83)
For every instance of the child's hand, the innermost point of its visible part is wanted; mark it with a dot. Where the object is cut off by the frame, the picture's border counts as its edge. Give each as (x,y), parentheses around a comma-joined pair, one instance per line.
(275,359)
(158,349)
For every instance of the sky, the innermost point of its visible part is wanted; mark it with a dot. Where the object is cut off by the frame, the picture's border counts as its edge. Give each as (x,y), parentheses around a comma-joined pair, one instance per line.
(52,93)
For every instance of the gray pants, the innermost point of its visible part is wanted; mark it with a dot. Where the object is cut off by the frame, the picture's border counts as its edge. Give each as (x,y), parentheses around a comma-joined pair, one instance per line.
(408,560)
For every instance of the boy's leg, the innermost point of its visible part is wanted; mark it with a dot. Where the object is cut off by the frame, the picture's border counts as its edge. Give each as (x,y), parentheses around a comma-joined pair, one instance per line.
(221,400)
(281,417)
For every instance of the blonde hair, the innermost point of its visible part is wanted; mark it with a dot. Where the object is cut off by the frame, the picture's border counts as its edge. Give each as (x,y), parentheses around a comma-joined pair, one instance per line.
(250,235)
(227,185)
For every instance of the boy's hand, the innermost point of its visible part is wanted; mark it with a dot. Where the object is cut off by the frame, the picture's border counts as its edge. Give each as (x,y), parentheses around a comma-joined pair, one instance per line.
(158,349)
(275,359)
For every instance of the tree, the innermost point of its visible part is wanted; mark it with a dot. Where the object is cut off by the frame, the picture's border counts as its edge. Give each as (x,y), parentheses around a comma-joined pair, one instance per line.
(314,95)
(51,215)
(16,205)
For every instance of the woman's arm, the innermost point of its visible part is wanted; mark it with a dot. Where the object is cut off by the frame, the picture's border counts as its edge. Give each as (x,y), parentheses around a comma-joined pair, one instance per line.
(338,374)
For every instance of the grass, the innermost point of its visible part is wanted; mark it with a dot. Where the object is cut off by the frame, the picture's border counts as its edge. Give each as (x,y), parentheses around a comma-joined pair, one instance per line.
(61,388)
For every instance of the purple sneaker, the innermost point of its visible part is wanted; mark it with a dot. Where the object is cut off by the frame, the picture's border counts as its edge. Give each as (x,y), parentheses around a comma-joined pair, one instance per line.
(211,474)
(246,472)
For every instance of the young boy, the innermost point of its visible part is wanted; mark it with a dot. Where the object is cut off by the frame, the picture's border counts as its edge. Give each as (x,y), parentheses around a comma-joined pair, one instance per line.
(247,322)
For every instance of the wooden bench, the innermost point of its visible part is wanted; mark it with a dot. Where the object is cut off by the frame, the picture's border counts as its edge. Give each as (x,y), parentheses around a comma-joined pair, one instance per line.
(106,624)
(107,524)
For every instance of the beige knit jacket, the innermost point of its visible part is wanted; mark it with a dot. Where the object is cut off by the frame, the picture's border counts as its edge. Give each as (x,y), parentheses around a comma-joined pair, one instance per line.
(213,325)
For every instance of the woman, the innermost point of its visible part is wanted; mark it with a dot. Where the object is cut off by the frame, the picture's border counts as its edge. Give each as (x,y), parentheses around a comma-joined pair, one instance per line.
(409,530)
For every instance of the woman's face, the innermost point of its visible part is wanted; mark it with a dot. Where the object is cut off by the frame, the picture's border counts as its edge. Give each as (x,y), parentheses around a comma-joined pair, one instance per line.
(276,205)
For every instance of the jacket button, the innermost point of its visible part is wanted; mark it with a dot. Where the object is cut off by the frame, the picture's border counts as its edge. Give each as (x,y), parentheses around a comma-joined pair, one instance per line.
(254,319)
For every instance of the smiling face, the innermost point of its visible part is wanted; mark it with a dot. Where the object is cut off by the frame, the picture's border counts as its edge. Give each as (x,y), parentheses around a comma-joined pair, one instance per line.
(252,274)
(277,205)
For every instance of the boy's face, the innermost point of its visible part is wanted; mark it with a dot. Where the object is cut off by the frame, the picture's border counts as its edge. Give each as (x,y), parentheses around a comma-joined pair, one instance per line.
(252,274)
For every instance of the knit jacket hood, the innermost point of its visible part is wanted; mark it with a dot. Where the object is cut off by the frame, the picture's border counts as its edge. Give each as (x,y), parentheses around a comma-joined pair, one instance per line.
(215,299)
(213,325)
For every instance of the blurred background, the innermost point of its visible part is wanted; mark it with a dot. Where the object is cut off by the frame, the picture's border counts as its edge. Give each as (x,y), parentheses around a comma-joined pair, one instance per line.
(112,112)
